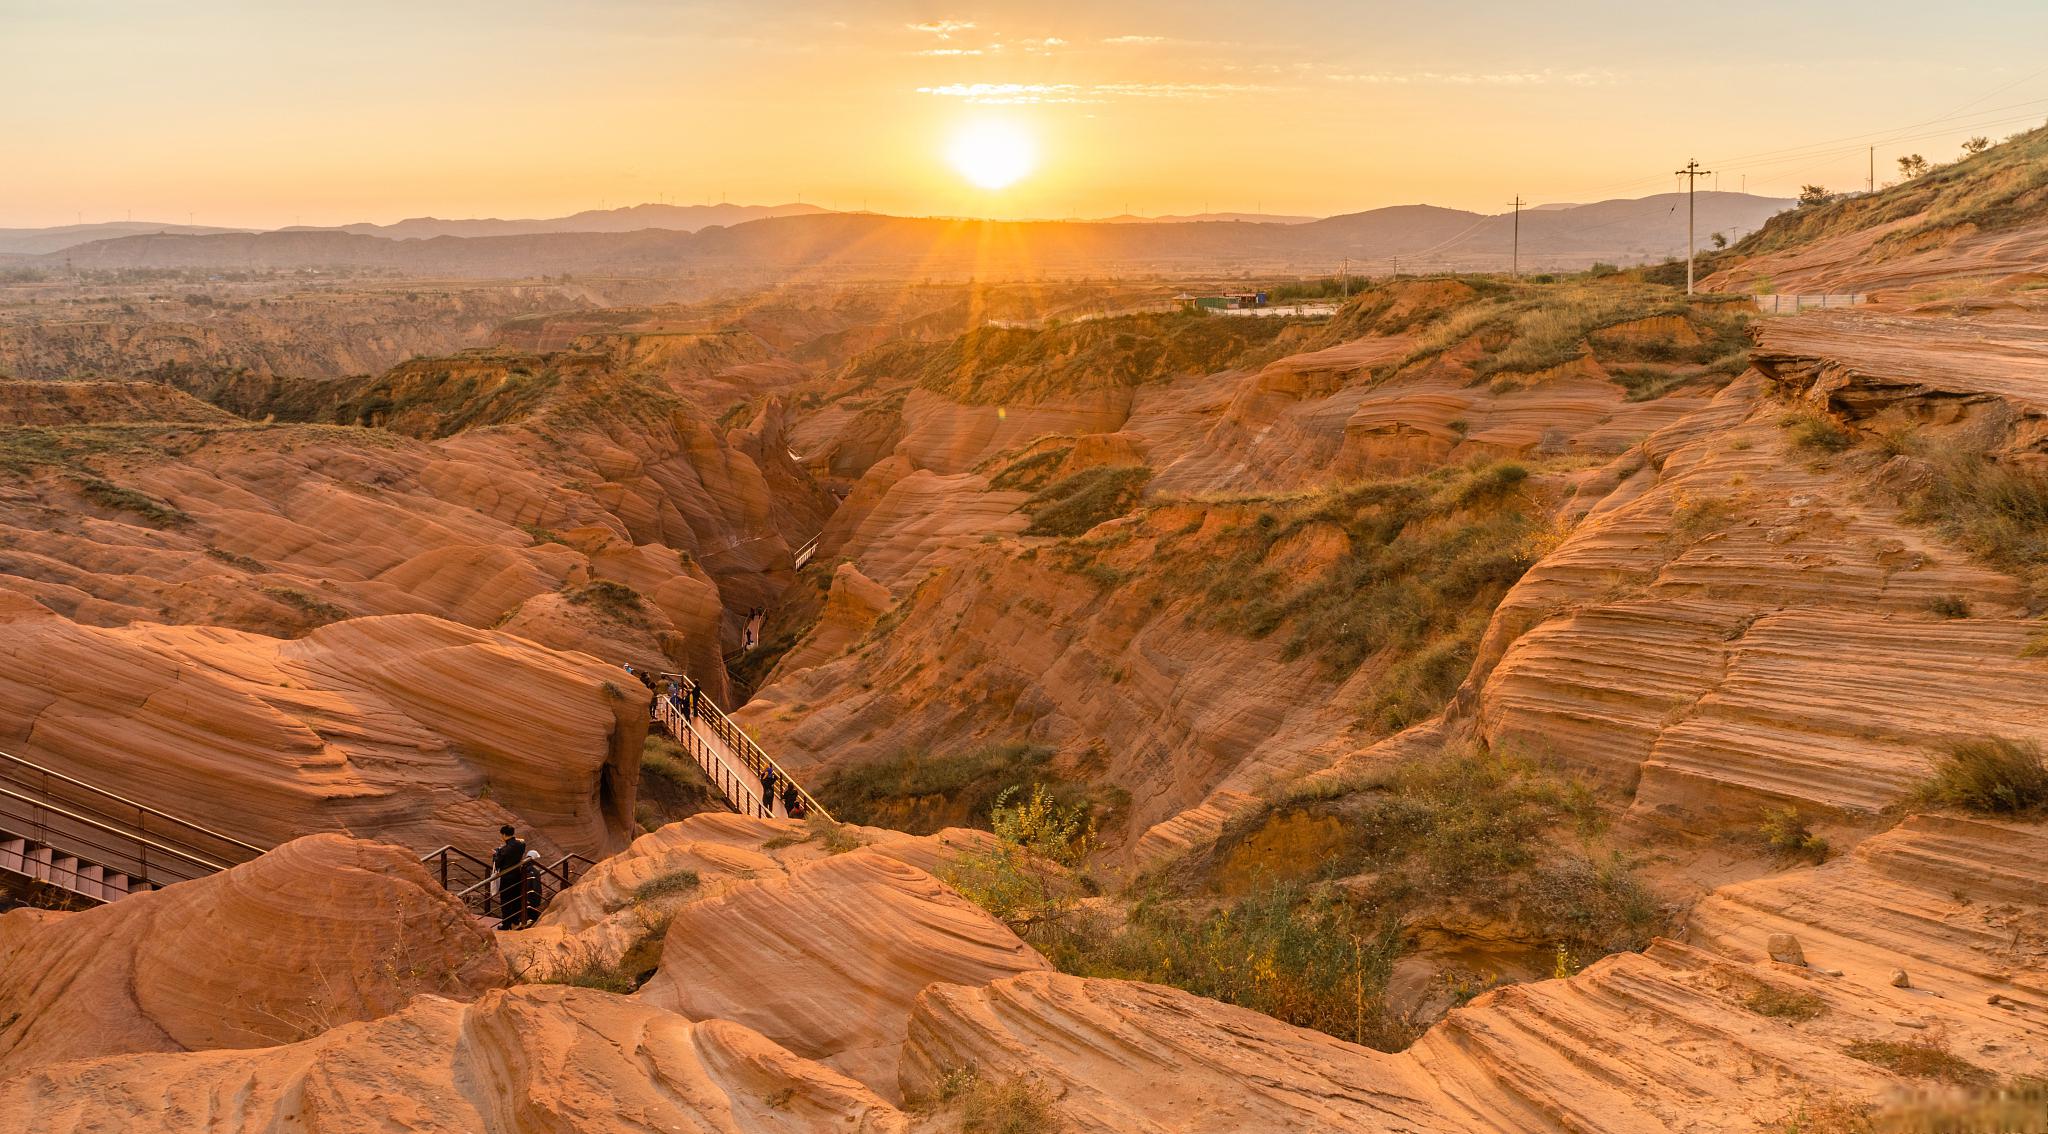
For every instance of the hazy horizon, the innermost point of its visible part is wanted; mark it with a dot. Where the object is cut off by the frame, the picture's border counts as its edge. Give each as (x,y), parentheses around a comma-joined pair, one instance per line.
(228,113)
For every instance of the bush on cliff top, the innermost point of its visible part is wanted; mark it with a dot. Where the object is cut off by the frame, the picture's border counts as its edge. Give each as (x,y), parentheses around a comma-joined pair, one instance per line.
(922,792)
(1425,561)
(1074,504)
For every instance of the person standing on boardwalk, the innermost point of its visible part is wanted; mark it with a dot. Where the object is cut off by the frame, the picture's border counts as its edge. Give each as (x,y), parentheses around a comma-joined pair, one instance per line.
(768,793)
(507,881)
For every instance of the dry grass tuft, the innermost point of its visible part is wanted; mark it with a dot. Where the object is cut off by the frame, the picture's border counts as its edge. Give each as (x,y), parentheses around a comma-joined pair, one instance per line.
(1991,774)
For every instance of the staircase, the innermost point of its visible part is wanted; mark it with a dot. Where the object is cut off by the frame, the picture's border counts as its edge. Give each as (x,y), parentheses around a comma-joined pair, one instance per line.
(729,757)
(65,842)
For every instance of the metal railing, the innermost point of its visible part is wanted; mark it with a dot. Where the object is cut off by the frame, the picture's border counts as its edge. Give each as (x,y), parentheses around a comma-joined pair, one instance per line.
(804,553)
(110,831)
(690,718)
(469,878)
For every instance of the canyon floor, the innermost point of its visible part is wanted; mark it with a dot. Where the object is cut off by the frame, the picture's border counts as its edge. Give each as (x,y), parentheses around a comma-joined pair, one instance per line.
(1519,705)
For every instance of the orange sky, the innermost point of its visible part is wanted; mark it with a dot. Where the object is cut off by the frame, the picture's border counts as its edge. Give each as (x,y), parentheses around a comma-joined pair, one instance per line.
(270,114)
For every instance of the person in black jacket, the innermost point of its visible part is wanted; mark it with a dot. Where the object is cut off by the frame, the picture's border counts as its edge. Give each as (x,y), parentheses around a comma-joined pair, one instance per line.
(508,883)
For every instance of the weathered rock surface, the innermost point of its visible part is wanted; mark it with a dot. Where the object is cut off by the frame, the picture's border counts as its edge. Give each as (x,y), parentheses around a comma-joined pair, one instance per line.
(622,902)
(320,932)
(829,959)
(1733,626)
(852,606)
(404,728)
(1128,1058)
(531,1058)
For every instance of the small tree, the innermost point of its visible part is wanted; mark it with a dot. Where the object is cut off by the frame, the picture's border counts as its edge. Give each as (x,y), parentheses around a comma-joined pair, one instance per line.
(1813,195)
(1976,145)
(1026,877)
(1911,166)
(1720,241)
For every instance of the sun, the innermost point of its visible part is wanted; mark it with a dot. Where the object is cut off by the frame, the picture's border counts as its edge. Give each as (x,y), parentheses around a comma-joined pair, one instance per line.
(993,155)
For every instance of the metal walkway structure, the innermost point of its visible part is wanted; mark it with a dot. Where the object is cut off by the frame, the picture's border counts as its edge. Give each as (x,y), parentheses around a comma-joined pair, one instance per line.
(66,843)
(729,757)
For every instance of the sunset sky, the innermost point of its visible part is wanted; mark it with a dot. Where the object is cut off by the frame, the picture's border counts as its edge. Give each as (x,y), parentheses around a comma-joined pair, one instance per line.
(267,113)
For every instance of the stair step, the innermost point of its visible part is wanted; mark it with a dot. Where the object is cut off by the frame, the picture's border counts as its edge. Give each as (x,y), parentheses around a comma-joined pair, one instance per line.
(37,865)
(13,854)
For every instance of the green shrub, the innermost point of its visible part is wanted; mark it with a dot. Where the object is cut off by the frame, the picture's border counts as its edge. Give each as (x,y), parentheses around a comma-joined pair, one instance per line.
(1312,961)
(232,559)
(994,1106)
(1030,473)
(2019,1106)
(1784,830)
(1023,879)
(1950,606)
(616,601)
(672,786)
(107,494)
(1076,503)
(921,793)
(589,972)
(667,885)
(1990,774)
(1991,509)
(1783,1003)
(1596,907)
(1813,431)
(317,610)
(1919,1060)
(1427,559)
(540,535)
(994,365)
(1468,828)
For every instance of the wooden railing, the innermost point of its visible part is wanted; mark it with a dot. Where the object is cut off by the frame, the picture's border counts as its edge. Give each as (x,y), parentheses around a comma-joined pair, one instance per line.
(715,742)
(108,830)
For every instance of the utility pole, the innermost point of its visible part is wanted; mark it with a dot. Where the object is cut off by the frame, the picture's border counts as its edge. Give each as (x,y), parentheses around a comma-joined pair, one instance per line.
(1347,277)
(1692,173)
(1516,269)
(1870,186)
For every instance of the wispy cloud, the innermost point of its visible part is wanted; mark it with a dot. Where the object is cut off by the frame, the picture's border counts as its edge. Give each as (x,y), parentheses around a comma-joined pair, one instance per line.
(949,51)
(1014,94)
(944,29)
(1479,78)
(1011,94)
(1178,90)
(1134,40)
(1042,46)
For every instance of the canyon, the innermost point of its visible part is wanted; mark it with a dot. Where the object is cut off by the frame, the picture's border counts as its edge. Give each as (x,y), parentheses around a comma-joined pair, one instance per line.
(1503,704)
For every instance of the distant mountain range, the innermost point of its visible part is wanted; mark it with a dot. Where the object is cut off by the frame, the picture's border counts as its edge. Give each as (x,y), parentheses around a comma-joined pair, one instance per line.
(1198,218)
(1423,237)
(633,218)
(37,241)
